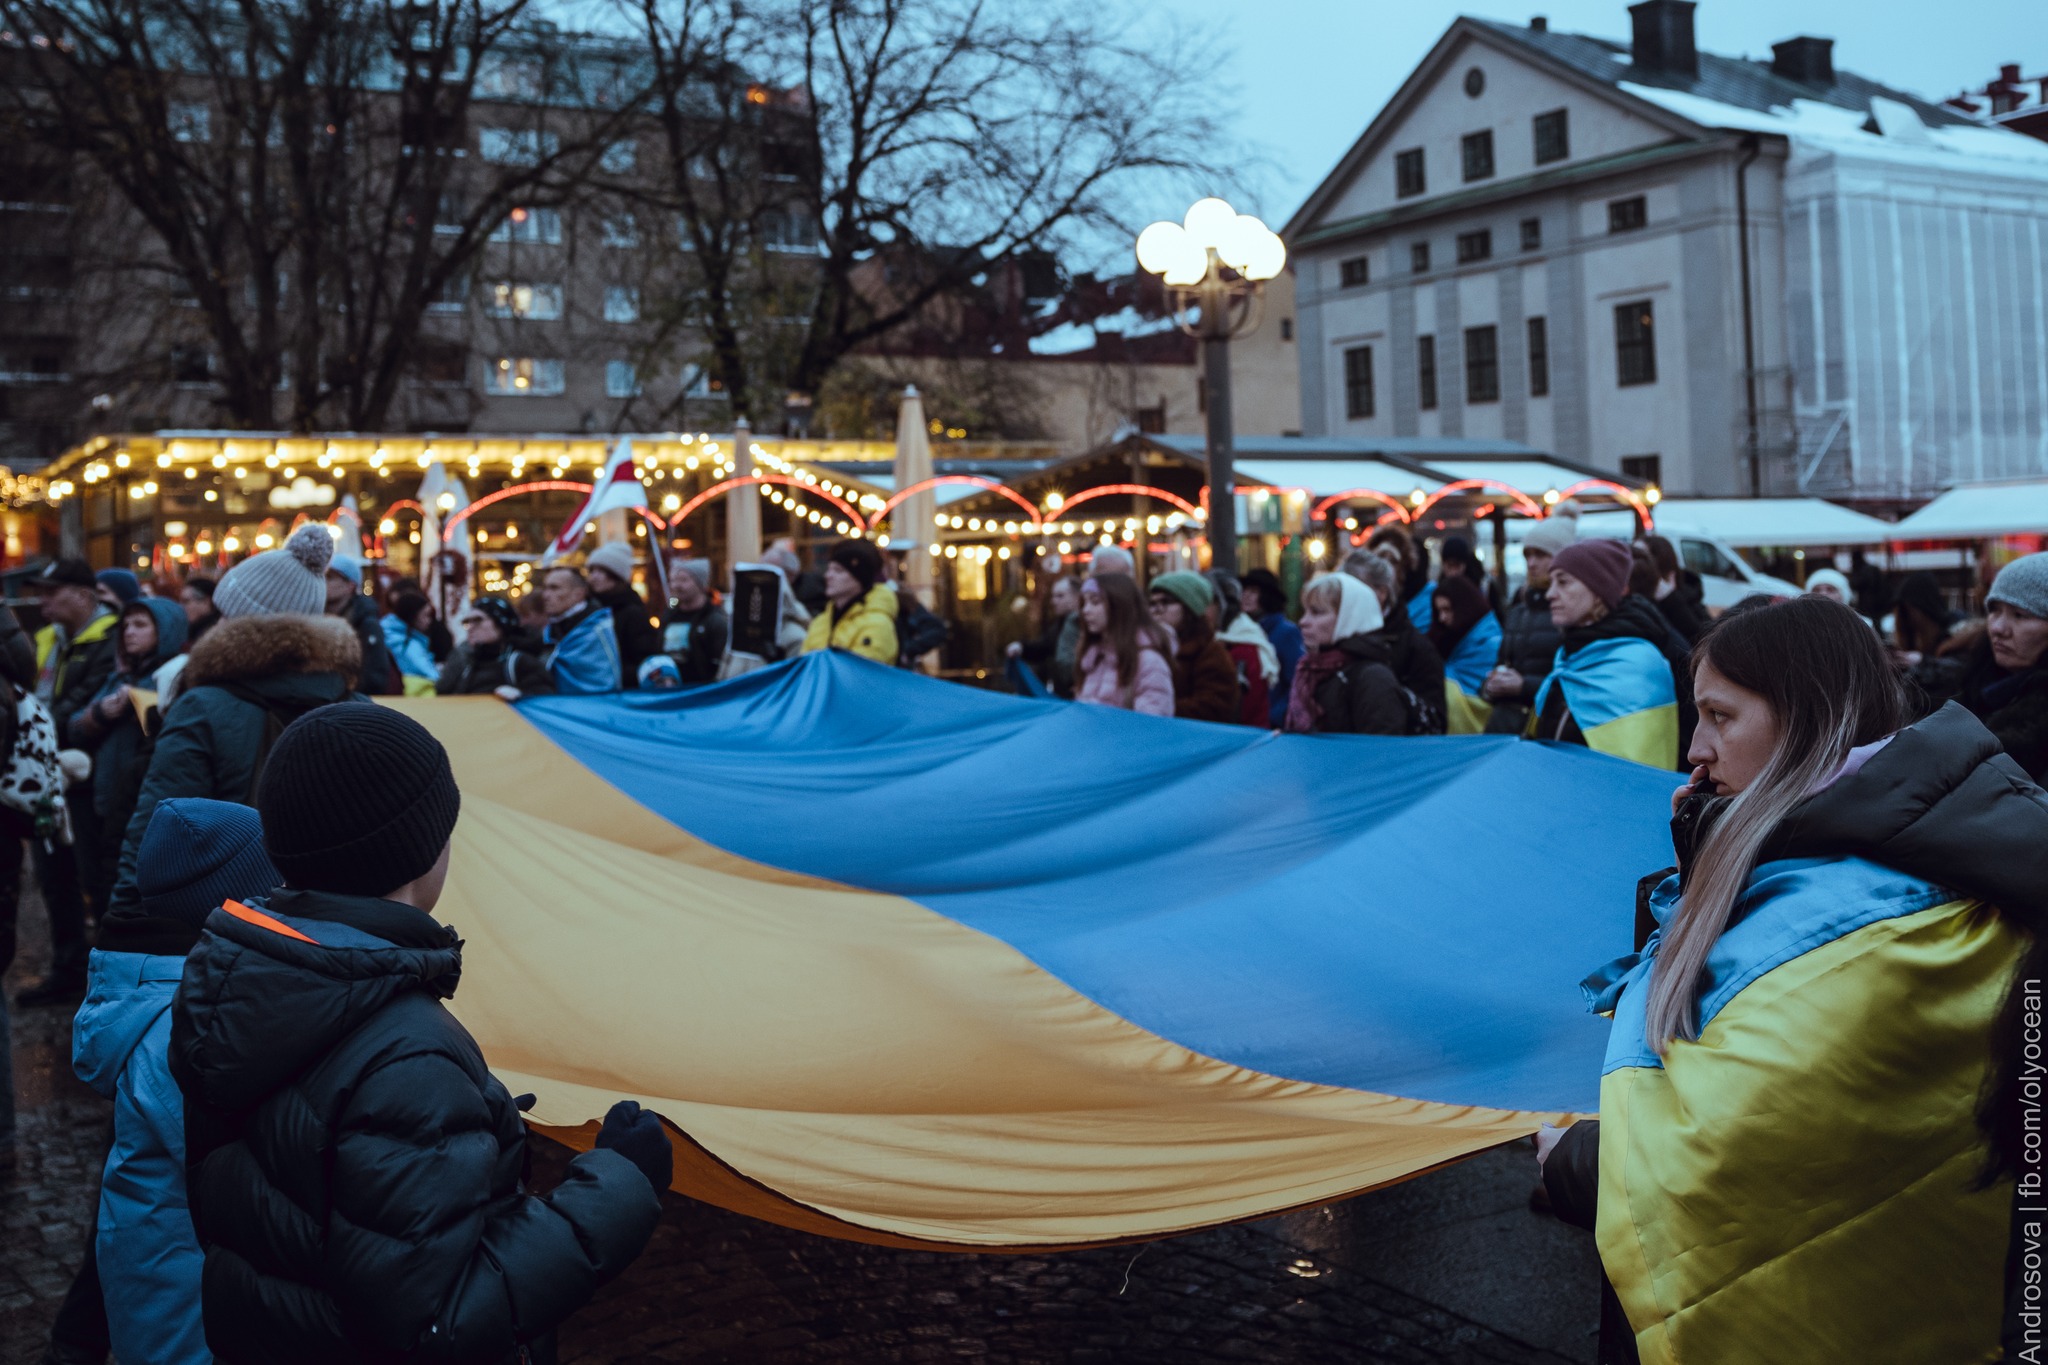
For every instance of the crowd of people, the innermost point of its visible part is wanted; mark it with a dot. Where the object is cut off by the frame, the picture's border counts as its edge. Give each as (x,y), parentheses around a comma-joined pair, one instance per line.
(310,1158)
(1592,648)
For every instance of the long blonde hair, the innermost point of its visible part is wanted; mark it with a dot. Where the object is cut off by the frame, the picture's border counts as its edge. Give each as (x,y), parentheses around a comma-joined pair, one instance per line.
(1825,678)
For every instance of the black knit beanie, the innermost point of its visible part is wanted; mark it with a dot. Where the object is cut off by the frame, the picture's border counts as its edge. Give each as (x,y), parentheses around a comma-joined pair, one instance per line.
(356,799)
(859,558)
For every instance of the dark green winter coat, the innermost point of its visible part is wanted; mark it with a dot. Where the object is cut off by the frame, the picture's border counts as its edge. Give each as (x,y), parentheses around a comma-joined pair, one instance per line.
(245,672)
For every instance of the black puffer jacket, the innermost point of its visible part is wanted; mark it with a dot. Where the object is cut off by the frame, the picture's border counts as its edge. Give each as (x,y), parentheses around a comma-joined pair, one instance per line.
(479,670)
(1364,696)
(354,1169)
(1529,640)
(2013,706)
(1417,665)
(638,635)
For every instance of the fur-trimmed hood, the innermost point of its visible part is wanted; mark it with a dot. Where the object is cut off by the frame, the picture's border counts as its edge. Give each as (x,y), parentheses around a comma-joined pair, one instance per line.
(245,648)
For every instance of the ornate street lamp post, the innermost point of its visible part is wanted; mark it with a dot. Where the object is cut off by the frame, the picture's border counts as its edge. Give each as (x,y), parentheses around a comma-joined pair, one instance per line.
(1215,263)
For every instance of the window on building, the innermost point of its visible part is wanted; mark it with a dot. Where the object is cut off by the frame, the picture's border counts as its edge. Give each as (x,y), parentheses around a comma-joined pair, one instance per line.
(620,157)
(1476,154)
(620,231)
(1425,371)
(514,299)
(1635,344)
(441,364)
(517,146)
(535,227)
(1532,234)
(524,377)
(1408,177)
(1287,329)
(1648,468)
(1626,215)
(1354,272)
(449,212)
(788,229)
(1152,420)
(1418,258)
(621,304)
(1539,357)
(698,383)
(453,295)
(621,380)
(1475,246)
(1553,137)
(191,365)
(1482,364)
(1358,397)
(189,122)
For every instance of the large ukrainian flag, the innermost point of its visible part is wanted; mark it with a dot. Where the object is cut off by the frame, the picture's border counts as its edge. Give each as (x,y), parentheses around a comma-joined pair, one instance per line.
(919,965)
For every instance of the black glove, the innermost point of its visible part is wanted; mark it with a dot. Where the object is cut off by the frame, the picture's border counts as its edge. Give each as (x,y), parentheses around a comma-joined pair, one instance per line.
(636,1134)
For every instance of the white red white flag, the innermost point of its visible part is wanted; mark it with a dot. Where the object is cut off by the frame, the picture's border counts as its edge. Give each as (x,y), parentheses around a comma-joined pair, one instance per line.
(617,488)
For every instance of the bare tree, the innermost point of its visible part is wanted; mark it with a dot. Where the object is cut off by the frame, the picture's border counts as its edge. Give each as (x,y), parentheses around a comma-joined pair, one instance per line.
(306,167)
(840,165)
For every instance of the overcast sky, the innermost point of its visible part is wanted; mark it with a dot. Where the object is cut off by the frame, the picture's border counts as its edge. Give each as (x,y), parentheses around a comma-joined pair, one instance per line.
(1308,75)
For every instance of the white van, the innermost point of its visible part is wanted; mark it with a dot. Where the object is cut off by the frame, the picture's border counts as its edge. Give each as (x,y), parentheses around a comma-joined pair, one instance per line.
(1725,576)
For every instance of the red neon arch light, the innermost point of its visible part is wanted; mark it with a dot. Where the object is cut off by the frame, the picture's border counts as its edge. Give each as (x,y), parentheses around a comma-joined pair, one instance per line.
(1524,504)
(1321,511)
(1136,490)
(708,494)
(539,486)
(990,485)
(401,505)
(1635,500)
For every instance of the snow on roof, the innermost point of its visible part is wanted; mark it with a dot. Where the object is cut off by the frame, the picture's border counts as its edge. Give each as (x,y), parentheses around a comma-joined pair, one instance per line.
(1072,338)
(1821,126)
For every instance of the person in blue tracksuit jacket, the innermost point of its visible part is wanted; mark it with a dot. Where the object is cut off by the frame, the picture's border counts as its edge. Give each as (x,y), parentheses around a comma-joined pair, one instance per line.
(195,854)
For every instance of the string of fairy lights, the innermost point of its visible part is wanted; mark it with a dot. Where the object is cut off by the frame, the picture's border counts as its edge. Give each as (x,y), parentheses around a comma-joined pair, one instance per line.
(227,477)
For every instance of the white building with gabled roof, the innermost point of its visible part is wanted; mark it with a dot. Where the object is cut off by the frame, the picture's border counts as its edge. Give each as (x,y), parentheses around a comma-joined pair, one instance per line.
(1722,275)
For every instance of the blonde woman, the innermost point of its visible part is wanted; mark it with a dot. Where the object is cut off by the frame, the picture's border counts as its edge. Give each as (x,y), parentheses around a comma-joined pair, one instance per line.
(1789,1164)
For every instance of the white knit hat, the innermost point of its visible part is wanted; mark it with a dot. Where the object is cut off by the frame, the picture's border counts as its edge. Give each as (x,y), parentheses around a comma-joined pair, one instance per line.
(290,580)
(1555,531)
(615,558)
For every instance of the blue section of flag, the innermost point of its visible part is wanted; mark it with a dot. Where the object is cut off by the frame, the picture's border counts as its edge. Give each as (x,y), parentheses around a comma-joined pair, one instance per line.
(1609,679)
(1405,916)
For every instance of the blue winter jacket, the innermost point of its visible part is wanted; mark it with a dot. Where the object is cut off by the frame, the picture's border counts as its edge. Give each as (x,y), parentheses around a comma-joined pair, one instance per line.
(582,653)
(1285,637)
(149,1257)
(410,649)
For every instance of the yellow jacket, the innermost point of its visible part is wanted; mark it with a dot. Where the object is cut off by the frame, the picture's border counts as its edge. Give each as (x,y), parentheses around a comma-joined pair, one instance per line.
(867,628)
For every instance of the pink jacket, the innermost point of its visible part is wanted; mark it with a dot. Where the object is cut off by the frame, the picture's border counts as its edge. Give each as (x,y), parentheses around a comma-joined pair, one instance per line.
(1151,692)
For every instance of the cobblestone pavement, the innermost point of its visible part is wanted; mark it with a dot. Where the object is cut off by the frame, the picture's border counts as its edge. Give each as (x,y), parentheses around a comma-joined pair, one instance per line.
(1449,1267)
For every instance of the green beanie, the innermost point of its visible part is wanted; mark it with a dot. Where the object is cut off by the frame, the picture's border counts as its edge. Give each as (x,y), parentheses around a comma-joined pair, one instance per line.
(1192,590)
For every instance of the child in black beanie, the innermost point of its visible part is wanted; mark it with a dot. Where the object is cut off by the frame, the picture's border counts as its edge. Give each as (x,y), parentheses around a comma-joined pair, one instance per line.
(354,1166)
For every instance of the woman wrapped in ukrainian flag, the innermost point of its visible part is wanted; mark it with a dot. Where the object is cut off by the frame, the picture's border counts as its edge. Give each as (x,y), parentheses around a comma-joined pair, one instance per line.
(1790,1165)
(1612,688)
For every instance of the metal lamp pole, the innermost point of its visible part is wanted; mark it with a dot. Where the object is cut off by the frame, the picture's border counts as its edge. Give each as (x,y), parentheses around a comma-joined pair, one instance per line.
(1215,263)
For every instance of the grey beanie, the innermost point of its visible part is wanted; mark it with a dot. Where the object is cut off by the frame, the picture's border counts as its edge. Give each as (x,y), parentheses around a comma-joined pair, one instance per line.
(288,581)
(1554,532)
(2023,584)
